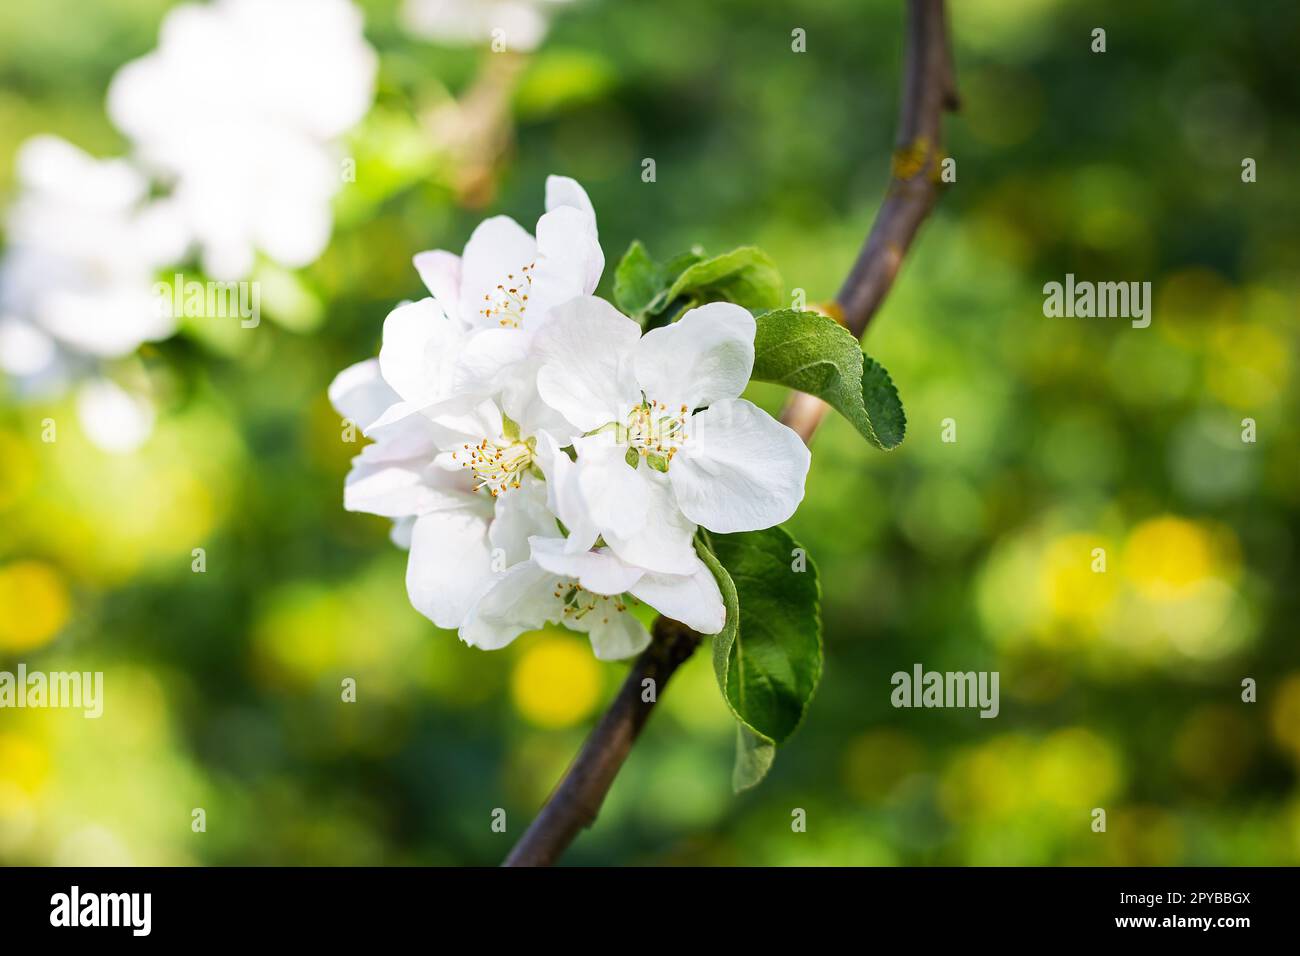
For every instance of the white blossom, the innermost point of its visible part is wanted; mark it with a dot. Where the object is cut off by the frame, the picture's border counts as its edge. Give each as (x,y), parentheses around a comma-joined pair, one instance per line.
(667,442)
(83,243)
(522,23)
(544,461)
(240,109)
(585,591)
(473,336)
(77,283)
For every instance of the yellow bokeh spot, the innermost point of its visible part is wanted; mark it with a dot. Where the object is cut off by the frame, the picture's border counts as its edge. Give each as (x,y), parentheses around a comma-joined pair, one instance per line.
(1286,715)
(1075,581)
(1252,364)
(1015,775)
(34,605)
(23,763)
(1074,767)
(1167,557)
(17,469)
(557,682)
(302,636)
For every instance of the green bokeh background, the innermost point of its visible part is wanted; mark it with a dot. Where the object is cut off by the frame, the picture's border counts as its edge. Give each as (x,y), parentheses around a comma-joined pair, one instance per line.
(1119,690)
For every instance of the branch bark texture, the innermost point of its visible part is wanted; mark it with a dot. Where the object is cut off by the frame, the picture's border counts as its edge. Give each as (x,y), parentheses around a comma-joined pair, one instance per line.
(928,91)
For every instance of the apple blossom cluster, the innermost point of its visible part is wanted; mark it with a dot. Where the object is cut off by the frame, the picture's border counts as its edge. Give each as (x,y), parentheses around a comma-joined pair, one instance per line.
(542,458)
(234,123)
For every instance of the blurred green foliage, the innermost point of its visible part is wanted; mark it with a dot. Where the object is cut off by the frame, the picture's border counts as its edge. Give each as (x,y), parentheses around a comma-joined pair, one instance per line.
(1120,690)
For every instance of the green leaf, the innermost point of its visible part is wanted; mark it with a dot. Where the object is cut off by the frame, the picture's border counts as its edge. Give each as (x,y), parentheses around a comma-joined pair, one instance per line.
(754,752)
(754,756)
(745,276)
(768,656)
(658,293)
(641,284)
(815,354)
(637,280)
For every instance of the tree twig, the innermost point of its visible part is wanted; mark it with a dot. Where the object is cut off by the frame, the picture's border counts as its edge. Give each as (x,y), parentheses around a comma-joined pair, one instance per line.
(928,90)
(577,799)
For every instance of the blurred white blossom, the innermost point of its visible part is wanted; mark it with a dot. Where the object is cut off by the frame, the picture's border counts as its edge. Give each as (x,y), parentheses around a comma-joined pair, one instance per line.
(522,23)
(76,282)
(240,108)
(113,418)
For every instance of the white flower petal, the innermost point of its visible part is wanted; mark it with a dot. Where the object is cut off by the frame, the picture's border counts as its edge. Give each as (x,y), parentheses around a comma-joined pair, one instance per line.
(519,400)
(498,247)
(521,515)
(617,496)
(694,599)
(466,420)
(394,489)
(563,496)
(449,565)
(600,572)
(563,191)
(418,339)
(616,636)
(412,436)
(569,260)
(521,599)
(400,534)
(360,394)
(440,273)
(584,354)
(741,470)
(663,543)
(487,361)
(704,357)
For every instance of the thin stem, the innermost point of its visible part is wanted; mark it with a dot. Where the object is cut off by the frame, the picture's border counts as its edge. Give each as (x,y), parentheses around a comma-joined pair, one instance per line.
(576,801)
(928,90)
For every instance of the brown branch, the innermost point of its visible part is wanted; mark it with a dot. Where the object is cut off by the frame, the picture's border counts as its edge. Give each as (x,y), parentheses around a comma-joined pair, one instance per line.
(474,131)
(928,90)
(577,799)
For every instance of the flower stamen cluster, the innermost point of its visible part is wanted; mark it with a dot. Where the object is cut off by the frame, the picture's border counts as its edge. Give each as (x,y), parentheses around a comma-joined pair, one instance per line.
(511,300)
(498,466)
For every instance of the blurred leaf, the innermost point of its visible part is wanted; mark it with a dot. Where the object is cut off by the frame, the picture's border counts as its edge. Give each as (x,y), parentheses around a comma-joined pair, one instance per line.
(390,151)
(815,354)
(557,80)
(768,656)
(754,756)
(289,302)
